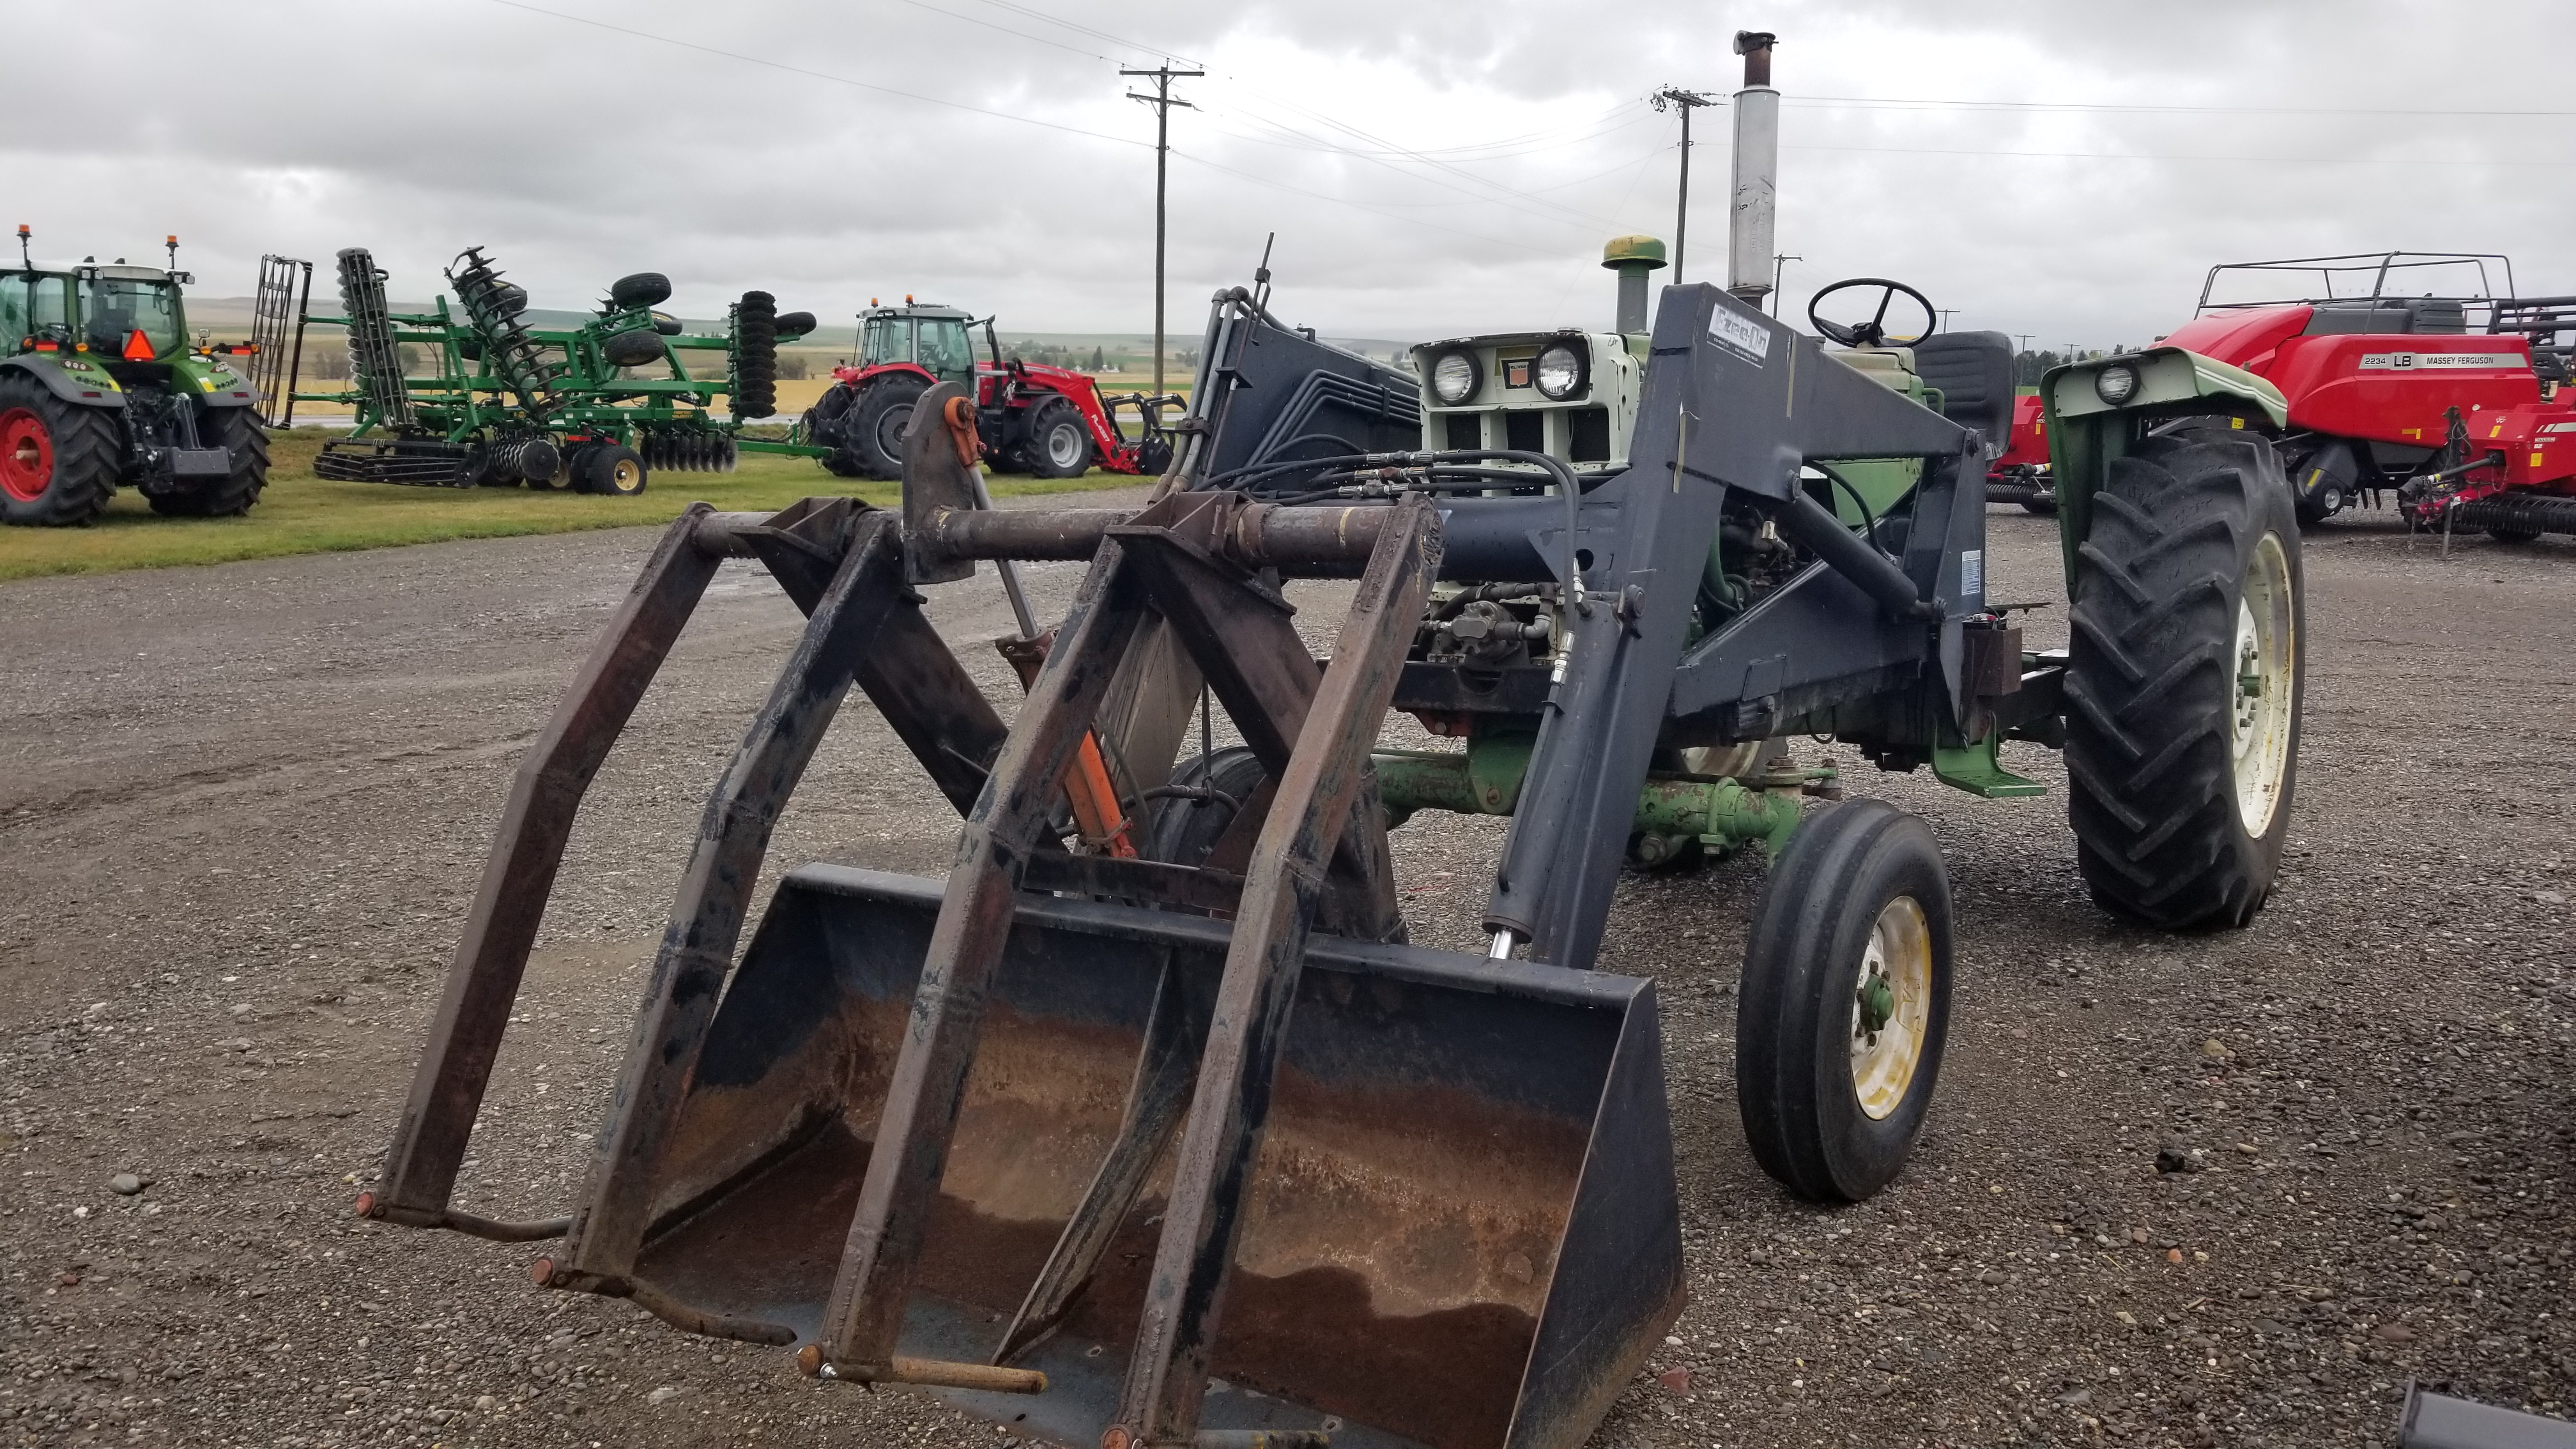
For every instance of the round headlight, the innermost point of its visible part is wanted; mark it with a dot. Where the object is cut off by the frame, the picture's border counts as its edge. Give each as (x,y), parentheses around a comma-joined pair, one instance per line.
(2116,384)
(1560,371)
(1454,377)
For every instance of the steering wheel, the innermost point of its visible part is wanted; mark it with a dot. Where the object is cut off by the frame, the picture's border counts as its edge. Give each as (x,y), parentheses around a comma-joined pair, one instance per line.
(1872,333)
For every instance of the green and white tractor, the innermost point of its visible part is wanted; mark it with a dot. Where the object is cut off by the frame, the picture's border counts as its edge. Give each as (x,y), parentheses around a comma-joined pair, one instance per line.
(100,387)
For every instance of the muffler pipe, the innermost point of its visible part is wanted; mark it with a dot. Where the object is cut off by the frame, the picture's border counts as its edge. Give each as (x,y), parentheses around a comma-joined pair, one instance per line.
(1757,172)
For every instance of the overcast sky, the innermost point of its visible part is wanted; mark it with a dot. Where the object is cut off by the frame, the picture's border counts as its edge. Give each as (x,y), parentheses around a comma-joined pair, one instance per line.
(2063,170)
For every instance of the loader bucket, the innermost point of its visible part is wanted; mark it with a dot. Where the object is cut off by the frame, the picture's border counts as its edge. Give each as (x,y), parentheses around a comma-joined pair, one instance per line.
(1462,1230)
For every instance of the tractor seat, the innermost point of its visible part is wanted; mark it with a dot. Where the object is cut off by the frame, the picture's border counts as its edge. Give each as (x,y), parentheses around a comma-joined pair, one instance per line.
(1974,371)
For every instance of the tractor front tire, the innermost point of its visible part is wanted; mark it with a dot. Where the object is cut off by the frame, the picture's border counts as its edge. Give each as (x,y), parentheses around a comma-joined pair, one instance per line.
(2186,667)
(58,462)
(1055,441)
(237,431)
(1845,1002)
(872,431)
(1188,829)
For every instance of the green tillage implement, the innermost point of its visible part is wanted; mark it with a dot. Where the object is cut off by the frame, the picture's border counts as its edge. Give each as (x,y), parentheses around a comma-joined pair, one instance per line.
(501,401)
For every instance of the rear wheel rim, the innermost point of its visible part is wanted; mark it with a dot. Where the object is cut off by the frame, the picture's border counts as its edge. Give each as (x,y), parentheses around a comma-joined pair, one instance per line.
(1891,1008)
(26,455)
(2265,662)
(1064,445)
(890,426)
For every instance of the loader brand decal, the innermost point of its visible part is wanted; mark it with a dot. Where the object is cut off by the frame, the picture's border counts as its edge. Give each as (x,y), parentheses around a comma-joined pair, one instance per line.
(1740,335)
(2415,361)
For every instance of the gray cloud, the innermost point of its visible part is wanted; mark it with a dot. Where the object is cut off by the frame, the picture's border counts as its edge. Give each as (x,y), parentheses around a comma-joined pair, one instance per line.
(1370,137)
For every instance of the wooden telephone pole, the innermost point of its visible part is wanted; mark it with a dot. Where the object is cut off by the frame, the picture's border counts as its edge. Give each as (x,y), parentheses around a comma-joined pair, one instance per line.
(1687,101)
(1162,100)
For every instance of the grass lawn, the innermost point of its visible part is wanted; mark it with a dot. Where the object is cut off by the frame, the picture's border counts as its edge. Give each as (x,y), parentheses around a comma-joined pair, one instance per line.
(300,513)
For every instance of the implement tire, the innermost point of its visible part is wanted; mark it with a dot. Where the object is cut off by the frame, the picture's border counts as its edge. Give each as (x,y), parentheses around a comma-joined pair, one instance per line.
(756,347)
(2185,673)
(237,431)
(58,462)
(1844,1004)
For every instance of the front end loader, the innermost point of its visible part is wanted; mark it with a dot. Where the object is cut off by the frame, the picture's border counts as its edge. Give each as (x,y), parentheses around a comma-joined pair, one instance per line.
(1183,1144)
(1148,1126)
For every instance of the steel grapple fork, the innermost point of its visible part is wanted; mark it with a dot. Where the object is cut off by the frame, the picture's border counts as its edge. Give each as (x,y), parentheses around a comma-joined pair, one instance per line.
(1322,840)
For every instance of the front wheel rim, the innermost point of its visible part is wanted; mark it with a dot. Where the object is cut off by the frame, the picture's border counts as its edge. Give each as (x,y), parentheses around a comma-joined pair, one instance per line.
(26,455)
(2263,685)
(1891,1008)
(1064,445)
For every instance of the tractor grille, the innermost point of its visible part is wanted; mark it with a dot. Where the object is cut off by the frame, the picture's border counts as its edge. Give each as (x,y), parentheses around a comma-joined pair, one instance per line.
(1525,431)
(1587,435)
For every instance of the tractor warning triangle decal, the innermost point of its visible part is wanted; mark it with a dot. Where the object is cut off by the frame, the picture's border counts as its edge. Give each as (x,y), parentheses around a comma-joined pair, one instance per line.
(138,348)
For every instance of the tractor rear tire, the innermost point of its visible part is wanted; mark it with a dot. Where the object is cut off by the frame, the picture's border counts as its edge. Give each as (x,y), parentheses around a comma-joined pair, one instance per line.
(58,462)
(1055,441)
(2186,668)
(823,423)
(1845,1002)
(237,431)
(872,431)
(613,470)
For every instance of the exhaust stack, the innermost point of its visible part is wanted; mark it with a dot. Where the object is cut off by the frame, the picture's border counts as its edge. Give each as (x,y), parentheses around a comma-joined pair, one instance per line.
(1757,171)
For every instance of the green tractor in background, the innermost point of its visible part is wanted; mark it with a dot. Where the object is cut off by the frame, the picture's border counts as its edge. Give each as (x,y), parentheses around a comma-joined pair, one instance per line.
(99,387)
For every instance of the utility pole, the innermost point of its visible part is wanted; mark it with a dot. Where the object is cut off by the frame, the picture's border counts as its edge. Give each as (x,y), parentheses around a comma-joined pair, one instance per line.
(1779,263)
(1946,314)
(1688,101)
(1162,101)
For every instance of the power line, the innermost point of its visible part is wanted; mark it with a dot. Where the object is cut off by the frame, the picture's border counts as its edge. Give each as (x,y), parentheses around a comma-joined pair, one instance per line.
(2159,156)
(812,74)
(1006,116)
(1139,47)
(1897,103)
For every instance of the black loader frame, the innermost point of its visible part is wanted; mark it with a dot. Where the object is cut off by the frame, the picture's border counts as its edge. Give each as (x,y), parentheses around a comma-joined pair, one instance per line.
(1099,1144)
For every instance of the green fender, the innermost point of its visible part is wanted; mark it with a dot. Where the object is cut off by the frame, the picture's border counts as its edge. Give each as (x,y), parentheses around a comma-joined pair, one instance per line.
(78,381)
(2086,432)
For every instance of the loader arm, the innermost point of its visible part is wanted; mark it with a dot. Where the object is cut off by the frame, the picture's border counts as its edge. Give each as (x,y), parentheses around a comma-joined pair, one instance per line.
(1733,401)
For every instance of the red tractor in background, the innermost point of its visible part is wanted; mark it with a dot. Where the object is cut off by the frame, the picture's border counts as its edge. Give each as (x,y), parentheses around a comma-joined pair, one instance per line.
(2020,474)
(1051,422)
(2471,428)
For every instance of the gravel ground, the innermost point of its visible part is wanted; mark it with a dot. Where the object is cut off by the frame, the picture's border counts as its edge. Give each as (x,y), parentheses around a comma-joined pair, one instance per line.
(243,809)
